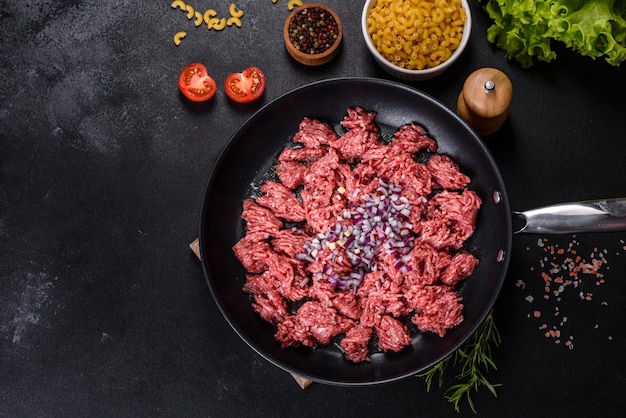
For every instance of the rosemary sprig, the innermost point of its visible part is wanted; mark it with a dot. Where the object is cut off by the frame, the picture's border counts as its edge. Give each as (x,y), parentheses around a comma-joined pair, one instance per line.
(475,357)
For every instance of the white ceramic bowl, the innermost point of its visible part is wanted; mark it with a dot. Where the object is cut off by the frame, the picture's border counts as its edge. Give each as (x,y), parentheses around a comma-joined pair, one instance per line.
(426,73)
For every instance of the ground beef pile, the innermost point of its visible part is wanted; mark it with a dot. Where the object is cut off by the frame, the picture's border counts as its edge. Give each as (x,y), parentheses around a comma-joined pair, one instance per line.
(358,238)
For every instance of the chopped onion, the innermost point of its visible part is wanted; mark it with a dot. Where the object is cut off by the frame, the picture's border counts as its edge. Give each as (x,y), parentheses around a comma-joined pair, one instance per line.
(360,232)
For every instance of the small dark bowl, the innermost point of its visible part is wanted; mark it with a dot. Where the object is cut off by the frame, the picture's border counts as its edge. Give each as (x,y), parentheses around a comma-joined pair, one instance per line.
(307,58)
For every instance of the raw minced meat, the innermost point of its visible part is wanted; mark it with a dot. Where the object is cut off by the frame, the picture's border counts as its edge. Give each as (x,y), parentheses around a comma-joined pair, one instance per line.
(281,201)
(356,343)
(359,240)
(392,334)
(291,173)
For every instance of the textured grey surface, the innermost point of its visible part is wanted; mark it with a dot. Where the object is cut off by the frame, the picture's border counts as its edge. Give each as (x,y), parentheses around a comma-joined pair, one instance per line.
(104,311)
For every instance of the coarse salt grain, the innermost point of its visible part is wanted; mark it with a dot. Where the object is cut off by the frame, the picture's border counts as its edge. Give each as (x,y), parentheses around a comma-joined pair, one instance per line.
(563,266)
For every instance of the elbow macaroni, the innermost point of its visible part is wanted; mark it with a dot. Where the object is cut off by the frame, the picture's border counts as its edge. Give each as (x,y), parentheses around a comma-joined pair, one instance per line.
(416,34)
(209,17)
(293,4)
(178,37)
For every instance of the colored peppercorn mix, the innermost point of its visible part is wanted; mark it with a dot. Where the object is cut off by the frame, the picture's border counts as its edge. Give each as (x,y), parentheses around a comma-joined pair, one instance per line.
(313,30)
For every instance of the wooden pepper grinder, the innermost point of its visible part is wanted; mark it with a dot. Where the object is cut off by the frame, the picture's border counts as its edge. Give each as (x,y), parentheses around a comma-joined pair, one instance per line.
(485,100)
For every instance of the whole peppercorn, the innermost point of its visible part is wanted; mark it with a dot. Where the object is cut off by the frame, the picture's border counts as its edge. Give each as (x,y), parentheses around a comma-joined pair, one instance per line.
(313,30)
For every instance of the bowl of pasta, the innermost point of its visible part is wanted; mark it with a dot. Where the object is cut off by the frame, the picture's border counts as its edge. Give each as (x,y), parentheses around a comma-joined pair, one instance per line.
(416,39)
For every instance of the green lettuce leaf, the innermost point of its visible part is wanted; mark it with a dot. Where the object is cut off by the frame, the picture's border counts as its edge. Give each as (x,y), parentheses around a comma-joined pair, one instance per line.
(526,28)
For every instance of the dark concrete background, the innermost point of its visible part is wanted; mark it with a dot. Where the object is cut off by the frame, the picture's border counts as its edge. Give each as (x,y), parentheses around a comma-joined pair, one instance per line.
(104,311)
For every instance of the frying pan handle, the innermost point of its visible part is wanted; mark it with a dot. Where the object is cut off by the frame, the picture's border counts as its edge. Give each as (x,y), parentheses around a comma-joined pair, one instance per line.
(565,218)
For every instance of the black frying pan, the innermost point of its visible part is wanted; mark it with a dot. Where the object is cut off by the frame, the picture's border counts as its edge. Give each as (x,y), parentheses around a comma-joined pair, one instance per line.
(246,162)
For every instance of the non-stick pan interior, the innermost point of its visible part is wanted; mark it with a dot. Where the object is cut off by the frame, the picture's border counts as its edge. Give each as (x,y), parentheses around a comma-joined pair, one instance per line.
(247,160)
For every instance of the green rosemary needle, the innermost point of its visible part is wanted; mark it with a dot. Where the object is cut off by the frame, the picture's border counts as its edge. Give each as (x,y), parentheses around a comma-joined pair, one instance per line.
(474,359)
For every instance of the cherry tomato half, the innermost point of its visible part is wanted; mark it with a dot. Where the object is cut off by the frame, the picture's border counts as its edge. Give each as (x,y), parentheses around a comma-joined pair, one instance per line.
(195,83)
(245,86)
